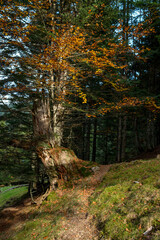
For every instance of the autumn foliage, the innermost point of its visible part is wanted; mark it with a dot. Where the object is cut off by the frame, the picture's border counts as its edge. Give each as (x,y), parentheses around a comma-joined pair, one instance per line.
(65,49)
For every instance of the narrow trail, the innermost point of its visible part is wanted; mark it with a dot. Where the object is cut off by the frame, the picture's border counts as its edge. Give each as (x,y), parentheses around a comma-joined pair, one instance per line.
(12,218)
(78,226)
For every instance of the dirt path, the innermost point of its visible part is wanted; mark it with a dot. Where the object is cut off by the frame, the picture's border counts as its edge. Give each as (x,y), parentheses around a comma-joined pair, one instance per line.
(12,218)
(79,226)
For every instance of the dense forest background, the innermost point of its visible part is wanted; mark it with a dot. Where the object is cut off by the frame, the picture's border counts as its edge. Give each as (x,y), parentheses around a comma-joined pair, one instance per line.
(90,68)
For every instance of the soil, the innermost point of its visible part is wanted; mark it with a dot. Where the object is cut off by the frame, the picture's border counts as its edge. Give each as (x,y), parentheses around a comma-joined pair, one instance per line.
(155,153)
(79,226)
(12,218)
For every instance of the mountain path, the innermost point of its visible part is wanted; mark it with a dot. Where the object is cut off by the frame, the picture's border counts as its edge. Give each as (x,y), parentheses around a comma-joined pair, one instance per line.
(78,226)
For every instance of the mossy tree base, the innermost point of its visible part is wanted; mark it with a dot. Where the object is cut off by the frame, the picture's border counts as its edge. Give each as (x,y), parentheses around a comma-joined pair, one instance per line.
(59,162)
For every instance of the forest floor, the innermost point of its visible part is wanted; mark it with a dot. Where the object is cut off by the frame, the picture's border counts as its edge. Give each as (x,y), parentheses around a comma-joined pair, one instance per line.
(119,201)
(12,218)
(76,222)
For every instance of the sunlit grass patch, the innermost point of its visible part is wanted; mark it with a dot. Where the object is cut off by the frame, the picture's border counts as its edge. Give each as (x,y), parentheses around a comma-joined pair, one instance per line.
(12,196)
(39,228)
(46,222)
(127,202)
(124,205)
(3,189)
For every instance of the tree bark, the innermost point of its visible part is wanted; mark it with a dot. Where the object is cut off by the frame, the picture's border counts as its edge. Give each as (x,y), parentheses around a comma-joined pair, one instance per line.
(88,140)
(106,148)
(150,133)
(123,150)
(59,163)
(94,141)
(136,136)
(119,138)
(84,141)
(48,133)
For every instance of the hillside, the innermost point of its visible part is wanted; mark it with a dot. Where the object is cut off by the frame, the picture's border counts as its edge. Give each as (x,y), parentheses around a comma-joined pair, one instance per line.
(119,201)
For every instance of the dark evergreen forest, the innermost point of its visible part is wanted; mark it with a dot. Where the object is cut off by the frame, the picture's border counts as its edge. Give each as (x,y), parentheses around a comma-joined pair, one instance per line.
(77,75)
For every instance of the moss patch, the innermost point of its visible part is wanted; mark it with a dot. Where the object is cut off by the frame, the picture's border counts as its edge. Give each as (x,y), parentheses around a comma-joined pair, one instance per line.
(47,221)
(127,202)
(123,206)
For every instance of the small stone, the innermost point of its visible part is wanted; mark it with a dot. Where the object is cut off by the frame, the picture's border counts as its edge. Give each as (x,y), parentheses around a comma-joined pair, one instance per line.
(148,231)
(158,156)
(95,169)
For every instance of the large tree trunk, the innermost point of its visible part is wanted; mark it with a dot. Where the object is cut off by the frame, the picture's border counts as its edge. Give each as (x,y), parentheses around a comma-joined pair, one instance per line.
(48,112)
(59,163)
(48,132)
(42,128)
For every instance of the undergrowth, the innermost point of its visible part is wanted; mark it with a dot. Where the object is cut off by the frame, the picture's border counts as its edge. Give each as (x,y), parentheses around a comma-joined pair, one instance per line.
(47,221)
(127,202)
(123,206)
(11,197)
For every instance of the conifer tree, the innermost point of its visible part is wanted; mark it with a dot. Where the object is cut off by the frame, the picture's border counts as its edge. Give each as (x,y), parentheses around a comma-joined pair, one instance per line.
(53,64)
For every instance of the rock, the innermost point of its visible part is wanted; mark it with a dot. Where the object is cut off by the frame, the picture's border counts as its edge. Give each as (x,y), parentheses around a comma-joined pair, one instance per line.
(136,182)
(148,231)
(95,169)
(158,156)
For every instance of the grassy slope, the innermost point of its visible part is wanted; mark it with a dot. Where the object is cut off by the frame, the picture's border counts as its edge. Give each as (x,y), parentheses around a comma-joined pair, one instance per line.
(127,202)
(12,196)
(122,208)
(47,221)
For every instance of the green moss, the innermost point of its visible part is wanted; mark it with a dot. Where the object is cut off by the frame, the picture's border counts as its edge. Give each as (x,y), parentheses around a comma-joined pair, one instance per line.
(85,172)
(37,229)
(46,222)
(52,197)
(44,144)
(126,203)
(89,164)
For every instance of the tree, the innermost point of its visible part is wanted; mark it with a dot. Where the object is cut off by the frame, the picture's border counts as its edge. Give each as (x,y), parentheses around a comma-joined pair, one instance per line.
(15,161)
(57,67)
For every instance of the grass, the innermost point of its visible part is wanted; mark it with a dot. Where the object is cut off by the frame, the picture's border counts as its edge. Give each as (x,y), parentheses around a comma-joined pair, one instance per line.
(12,196)
(2,189)
(47,221)
(127,202)
(123,206)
